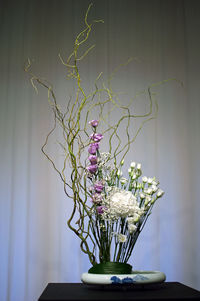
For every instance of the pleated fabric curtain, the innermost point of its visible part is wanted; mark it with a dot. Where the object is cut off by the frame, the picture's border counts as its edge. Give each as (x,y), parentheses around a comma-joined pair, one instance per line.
(36,247)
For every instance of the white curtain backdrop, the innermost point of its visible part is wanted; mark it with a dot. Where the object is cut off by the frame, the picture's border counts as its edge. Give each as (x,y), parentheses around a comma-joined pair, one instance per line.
(36,247)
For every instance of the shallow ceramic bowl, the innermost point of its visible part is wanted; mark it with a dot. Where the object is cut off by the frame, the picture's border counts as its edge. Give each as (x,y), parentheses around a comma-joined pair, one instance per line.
(137,277)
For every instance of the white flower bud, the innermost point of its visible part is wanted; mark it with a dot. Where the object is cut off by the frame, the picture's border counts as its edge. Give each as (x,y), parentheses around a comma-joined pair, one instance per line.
(144,179)
(147,200)
(160,193)
(123,181)
(142,196)
(154,188)
(129,171)
(122,162)
(149,190)
(155,183)
(133,164)
(119,173)
(133,176)
(150,180)
(139,166)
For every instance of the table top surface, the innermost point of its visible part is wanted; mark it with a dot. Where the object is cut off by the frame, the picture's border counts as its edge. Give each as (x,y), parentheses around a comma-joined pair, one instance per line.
(83,292)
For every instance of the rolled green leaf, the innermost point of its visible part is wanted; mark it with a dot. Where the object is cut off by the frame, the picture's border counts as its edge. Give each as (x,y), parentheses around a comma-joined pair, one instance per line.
(111,268)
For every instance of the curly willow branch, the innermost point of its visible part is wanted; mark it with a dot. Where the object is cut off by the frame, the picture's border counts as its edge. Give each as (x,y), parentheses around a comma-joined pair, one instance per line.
(73,123)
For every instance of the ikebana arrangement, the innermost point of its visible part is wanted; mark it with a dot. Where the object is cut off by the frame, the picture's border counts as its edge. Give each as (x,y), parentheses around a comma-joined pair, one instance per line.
(110,205)
(120,205)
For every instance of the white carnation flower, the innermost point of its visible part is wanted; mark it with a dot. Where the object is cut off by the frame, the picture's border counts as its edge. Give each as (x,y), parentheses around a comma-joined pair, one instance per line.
(121,203)
(131,228)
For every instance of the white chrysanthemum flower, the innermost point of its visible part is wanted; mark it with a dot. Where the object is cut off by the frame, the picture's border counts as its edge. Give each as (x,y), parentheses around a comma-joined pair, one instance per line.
(121,238)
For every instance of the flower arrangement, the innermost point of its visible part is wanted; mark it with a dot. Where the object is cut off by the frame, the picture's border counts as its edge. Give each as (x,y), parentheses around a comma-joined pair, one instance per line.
(120,205)
(110,209)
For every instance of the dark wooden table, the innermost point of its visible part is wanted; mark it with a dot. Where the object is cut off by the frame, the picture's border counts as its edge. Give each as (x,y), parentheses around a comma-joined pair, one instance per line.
(81,292)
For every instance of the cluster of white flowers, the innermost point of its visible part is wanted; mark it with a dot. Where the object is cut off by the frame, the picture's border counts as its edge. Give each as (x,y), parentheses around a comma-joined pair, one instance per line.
(103,159)
(150,191)
(107,170)
(134,170)
(120,203)
(147,190)
(134,173)
(132,200)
